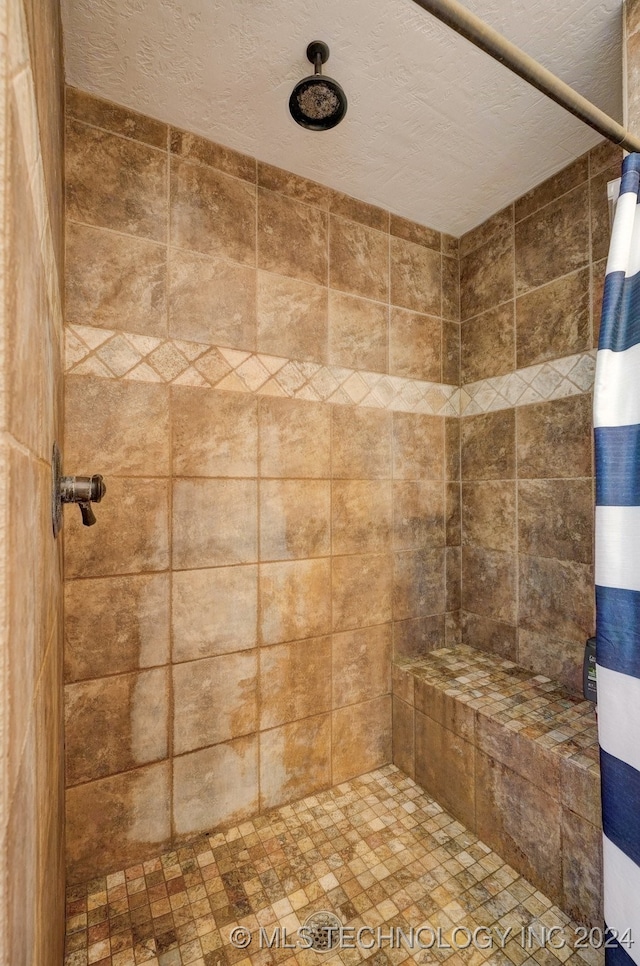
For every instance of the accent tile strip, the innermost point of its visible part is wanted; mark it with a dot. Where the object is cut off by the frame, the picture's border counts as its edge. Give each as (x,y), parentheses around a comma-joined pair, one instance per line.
(569,376)
(125,355)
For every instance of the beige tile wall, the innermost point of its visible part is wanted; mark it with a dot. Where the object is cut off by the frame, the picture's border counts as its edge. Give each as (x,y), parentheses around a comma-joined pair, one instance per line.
(31,736)
(230,620)
(531,288)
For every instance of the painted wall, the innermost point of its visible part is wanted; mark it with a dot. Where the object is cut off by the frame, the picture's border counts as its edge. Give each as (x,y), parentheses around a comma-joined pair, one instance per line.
(32,881)
(262,369)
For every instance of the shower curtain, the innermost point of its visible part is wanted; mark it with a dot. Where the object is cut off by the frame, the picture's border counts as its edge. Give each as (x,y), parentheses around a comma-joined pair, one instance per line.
(617,572)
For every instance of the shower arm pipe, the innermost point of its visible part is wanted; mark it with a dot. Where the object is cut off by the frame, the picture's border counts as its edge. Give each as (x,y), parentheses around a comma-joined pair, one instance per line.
(454,15)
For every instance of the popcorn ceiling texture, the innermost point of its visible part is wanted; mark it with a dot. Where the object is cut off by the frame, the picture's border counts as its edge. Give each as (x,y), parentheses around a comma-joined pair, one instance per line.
(418,94)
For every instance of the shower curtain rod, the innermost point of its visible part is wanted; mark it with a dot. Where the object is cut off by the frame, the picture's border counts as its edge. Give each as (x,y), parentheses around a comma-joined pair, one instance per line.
(454,15)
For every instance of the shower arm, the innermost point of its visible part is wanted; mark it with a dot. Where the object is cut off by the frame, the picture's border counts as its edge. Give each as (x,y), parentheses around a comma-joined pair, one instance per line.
(454,15)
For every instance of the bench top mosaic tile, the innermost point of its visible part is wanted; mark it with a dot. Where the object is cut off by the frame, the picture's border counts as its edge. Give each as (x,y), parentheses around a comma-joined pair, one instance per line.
(533,705)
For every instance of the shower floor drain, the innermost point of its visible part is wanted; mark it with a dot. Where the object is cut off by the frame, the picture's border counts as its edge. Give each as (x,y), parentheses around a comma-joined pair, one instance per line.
(322,931)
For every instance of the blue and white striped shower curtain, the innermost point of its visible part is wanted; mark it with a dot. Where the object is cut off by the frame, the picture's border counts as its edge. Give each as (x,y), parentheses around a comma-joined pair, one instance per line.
(617,571)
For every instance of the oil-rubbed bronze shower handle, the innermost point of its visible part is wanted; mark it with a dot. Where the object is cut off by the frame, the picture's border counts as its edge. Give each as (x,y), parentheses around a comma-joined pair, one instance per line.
(83,490)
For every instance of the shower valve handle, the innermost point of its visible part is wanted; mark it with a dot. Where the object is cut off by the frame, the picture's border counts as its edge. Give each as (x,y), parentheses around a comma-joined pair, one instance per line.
(83,490)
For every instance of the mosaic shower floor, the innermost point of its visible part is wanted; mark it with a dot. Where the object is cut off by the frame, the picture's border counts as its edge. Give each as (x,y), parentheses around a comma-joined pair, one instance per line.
(408,882)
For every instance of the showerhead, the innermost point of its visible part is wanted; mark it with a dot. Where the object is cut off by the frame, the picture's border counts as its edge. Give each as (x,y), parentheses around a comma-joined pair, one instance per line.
(317,102)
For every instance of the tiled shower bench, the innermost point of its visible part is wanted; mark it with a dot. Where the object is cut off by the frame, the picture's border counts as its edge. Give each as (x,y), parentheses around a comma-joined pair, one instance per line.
(514,756)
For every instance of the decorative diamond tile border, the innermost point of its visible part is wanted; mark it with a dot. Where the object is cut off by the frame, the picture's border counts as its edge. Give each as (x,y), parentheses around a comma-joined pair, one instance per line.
(125,355)
(569,376)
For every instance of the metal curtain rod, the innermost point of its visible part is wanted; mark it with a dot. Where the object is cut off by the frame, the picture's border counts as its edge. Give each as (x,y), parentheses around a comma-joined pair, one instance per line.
(486,38)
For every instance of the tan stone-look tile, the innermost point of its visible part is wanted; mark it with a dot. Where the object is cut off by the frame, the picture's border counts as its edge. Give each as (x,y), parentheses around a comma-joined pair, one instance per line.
(361,516)
(214,700)
(292,318)
(403,683)
(287,183)
(633,60)
(415,345)
(453,515)
(358,332)
(295,600)
(115,281)
(295,760)
(580,790)
(192,147)
(214,611)
(361,665)
(116,428)
(361,738)
(418,583)
(292,238)
(294,438)
(295,519)
(451,288)
(214,523)
(294,682)
(212,301)
(361,443)
(488,344)
(360,211)
(486,276)
(418,515)
(557,597)
(490,635)
(31,340)
(553,438)
(450,245)
(115,724)
(452,448)
(489,583)
(445,767)
(212,213)
(414,232)
(453,629)
(598,271)
(134,531)
(215,786)
(119,120)
(543,652)
(361,590)
(403,737)
(553,241)
(451,356)
(418,447)
(600,215)
(554,321)
(417,636)
(488,446)
(117,821)
(527,758)
(555,519)
(214,433)
(498,224)
(102,638)
(489,515)
(112,182)
(604,155)
(453,578)
(582,889)
(521,821)
(416,277)
(358,259)
(558,184)
(444,709)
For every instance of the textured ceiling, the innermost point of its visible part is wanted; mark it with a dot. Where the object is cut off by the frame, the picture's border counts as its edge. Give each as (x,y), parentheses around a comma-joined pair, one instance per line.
(436,130)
